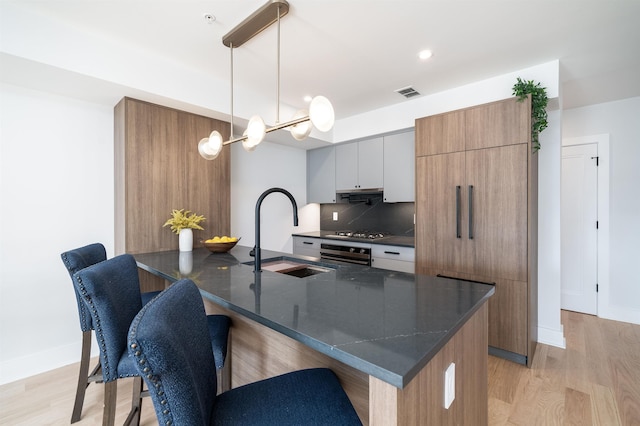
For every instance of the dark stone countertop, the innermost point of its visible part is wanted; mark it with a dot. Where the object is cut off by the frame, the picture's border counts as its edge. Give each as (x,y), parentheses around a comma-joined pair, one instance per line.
(392,240)
(386,324)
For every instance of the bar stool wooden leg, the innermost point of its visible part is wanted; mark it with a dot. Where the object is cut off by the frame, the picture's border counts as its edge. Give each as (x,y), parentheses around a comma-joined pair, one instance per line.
(223,375)
(83,376)
(110,396)
(133,419)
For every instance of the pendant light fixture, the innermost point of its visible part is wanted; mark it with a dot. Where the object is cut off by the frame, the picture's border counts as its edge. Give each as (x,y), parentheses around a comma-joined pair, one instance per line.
(320,114)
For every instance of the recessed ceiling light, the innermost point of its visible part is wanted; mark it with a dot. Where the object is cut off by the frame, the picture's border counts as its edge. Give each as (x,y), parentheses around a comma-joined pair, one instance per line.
(425,54)
(308,98)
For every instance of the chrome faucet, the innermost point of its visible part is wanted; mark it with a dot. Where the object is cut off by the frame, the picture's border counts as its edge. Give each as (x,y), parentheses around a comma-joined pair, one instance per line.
(256,249)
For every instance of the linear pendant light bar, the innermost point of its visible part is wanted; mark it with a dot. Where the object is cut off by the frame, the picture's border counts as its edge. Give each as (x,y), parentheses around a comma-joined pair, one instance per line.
(256,23)
(320,114)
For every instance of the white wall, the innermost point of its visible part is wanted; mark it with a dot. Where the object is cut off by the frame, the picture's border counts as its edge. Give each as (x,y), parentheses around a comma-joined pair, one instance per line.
(56,193)
(270,165)
(550,330)
(620,121)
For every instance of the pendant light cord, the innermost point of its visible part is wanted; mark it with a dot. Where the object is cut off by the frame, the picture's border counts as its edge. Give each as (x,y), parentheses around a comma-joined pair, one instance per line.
(231,130)
(278,74)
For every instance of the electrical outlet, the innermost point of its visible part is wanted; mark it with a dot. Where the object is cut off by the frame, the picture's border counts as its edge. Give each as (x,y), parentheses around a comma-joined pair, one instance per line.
(335,215)
(449,385)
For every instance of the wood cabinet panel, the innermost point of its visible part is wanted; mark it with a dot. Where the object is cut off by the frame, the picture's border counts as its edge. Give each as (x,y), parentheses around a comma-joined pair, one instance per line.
(497,124)
(438,176)
(498,177)
(498,223)
(438,134)
(158,169)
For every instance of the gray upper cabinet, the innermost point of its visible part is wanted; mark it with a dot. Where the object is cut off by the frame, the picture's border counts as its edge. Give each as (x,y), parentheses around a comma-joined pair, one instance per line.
(359,165)
(321,175)
(399,168)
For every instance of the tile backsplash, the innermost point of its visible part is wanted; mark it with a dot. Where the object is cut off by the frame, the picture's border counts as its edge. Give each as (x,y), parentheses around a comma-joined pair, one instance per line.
(369,214)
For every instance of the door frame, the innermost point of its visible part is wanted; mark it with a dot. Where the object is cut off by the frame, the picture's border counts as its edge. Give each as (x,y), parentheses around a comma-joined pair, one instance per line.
(602,142)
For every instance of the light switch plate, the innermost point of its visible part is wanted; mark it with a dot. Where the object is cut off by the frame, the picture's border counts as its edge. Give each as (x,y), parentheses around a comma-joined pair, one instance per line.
(449,385)
(335,215)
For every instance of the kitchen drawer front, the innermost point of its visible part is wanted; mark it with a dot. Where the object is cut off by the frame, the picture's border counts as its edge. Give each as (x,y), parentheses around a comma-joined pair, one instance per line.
(393,258)
(306,246)
(406,254)
(393,265)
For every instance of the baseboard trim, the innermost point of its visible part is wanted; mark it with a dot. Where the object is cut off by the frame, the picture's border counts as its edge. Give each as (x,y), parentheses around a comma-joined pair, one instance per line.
(551,337)
(40,362)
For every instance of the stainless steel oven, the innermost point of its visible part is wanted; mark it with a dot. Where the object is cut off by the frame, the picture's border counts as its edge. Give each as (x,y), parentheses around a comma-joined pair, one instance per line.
(346,252)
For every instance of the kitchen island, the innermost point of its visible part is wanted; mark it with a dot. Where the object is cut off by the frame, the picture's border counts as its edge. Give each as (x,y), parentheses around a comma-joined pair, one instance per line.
(389,336)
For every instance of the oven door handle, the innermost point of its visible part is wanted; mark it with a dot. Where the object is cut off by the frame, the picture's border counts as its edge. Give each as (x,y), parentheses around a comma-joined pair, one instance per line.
(343,254)
(338,258)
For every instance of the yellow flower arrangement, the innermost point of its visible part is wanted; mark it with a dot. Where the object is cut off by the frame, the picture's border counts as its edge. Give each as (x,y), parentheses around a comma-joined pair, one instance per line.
(181,219)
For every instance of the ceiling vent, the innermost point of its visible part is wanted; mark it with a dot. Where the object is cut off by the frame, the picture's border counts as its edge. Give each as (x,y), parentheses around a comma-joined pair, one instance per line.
(408,92)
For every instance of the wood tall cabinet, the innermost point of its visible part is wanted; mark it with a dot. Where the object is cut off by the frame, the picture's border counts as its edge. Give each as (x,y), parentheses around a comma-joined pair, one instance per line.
(158,168)
(476,212)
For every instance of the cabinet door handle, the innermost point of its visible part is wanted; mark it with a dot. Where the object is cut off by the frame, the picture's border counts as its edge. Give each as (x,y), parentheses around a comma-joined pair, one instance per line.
(471,212)
(307,242)
(392,252)
(458,212)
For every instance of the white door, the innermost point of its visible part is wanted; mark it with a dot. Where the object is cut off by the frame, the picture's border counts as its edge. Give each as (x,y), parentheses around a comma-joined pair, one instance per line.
(579,237)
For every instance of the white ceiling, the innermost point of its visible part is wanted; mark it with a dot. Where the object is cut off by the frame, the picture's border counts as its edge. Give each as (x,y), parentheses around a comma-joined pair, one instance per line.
(357,52)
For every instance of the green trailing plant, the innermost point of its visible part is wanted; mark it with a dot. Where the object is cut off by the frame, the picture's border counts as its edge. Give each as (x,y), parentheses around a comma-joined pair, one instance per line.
(181,219)
(539,102)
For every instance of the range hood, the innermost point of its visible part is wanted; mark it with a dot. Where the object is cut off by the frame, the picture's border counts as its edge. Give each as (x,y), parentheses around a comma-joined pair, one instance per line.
(366,196)
(360,191)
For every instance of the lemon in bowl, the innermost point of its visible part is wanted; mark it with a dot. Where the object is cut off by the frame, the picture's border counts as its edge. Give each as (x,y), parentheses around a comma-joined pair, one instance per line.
(219,244)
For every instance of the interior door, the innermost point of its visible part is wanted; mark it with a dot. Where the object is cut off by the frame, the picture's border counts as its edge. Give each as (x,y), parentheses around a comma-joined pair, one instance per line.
(579,239)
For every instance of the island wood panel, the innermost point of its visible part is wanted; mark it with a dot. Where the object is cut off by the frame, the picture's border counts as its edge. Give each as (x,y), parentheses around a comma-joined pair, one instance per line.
(258,352)
(158,168)
(421,402)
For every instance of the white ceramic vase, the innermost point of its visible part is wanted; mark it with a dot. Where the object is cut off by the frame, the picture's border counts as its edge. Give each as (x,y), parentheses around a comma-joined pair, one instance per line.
(185,239)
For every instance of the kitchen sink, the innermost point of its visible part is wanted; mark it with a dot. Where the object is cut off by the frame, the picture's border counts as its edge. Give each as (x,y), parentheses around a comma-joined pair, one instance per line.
(291,266)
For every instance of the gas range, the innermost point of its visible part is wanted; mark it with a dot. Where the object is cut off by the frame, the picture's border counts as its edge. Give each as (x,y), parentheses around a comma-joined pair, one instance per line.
(368,235)
(349,251)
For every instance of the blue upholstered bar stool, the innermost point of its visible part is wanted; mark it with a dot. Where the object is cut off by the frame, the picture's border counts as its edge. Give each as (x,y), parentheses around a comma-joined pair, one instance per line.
(75,260)
(111,291)
(169,341)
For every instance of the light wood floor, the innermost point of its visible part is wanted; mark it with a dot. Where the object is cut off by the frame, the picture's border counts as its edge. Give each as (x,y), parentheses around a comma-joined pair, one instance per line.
(595,381)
